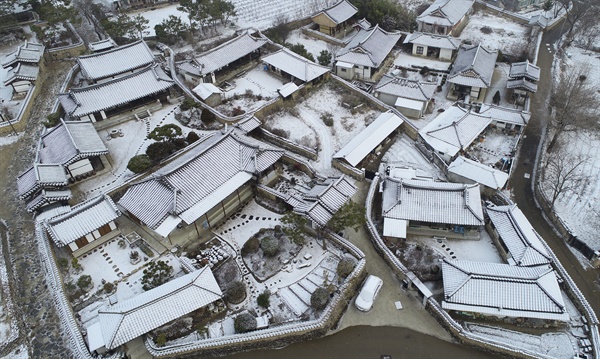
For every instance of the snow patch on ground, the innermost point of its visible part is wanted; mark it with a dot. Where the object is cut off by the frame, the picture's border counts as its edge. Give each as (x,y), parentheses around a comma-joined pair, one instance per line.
(482,250)
(404,153)
(553,345)
(311,44)
(507,36)
(156,15)
(19,352)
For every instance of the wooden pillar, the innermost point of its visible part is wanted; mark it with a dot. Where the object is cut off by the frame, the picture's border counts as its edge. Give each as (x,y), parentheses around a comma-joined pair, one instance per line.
(197,231)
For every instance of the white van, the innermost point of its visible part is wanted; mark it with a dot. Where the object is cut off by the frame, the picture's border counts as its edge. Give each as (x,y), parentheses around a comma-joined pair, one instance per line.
(368,292)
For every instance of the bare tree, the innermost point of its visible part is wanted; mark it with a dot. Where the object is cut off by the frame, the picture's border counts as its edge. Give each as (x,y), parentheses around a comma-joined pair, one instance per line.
(281,28)
(580,9)
(564,173)
(575,102)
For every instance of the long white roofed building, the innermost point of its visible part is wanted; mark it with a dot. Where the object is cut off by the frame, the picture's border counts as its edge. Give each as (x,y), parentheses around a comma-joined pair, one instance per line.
(201,186)
(115,63)
(515,237)
(431,208)
(100,101)
(210,65)
(127,320)
(293,67)
(502,290)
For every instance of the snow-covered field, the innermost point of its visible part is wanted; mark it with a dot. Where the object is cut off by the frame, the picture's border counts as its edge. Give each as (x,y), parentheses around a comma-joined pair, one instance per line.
(580,207)
(312,45)
(260,14)
(483,250)
(508,36)
(331,139)
(408,60)
(257,80)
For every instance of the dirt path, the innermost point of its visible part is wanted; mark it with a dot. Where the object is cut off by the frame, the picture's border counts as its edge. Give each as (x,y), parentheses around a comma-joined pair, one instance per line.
(324,134)
(39,323)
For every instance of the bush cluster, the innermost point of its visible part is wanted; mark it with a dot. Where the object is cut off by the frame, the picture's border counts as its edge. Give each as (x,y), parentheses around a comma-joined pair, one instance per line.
(244,322)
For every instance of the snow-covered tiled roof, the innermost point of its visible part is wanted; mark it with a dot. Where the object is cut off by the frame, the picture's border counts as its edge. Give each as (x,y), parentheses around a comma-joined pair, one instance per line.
(474,66)
(505,114)
(46,197)
(339,12)
(69,142)
(82,101)
(224,54)
(522,84)
(367,140)
(434,40)
(369,48)
(432,202)
(102,45)
(205,90)
(503,290)
(295,65)
(524,244)
(147,311)
(195,175)
(364,24)
(446,12)
(524,69)
(539,20)
(325,199)
(406,88)
(22,72)
(454,130)
(30,52)
(83,219)
(248,124)
(478,172)
(40,176)
(117,61)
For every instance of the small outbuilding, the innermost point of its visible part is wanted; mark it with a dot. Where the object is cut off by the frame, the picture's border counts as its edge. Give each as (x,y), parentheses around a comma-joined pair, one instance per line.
(209,94)
(336,20)
(442,47)
(410,97)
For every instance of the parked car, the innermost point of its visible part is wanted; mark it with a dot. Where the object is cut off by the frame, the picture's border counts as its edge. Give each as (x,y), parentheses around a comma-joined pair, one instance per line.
(366,297)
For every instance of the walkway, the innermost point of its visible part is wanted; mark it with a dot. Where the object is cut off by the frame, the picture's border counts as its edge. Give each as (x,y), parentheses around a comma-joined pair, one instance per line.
(586,279)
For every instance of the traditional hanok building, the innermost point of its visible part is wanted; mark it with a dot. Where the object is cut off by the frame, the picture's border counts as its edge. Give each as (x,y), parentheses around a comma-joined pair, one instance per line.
(43,184)
(73,144)
(324,200)
(115,63)
(86,226)
(23,67)
(516,239)
(453,131)
(410,97)
(293,67)
(22,78)
(212,64)
(522,80)
(504,117)
(209,93)
(365,54)
(101,101)
(67,152)
(336,20)
(471,74)
(202,186)
(370,140)
(30,53)
(124,321)
(451,210)
(444,17)
(480,289)
(464,170)
(442,47)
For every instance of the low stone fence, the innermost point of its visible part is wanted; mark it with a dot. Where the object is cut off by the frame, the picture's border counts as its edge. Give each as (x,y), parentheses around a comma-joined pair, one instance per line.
(279,336)
(289,145)
(69,51)
(19,122)
(347,169)
(505,13)
(63,307)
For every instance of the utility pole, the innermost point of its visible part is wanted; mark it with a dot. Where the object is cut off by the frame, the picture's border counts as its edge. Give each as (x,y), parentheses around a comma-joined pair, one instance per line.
(7,120)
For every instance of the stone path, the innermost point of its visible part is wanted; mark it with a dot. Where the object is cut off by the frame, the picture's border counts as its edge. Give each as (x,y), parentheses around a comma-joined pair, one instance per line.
(38,318)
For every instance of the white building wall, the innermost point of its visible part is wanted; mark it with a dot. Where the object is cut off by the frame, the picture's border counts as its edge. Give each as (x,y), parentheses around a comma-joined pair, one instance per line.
(445,54)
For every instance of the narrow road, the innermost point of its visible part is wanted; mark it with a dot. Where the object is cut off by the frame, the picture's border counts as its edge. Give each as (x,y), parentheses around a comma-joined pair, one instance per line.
(586,279)
(39,323)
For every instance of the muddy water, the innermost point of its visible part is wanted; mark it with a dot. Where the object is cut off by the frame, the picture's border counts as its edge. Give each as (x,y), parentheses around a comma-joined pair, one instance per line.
(365,342)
